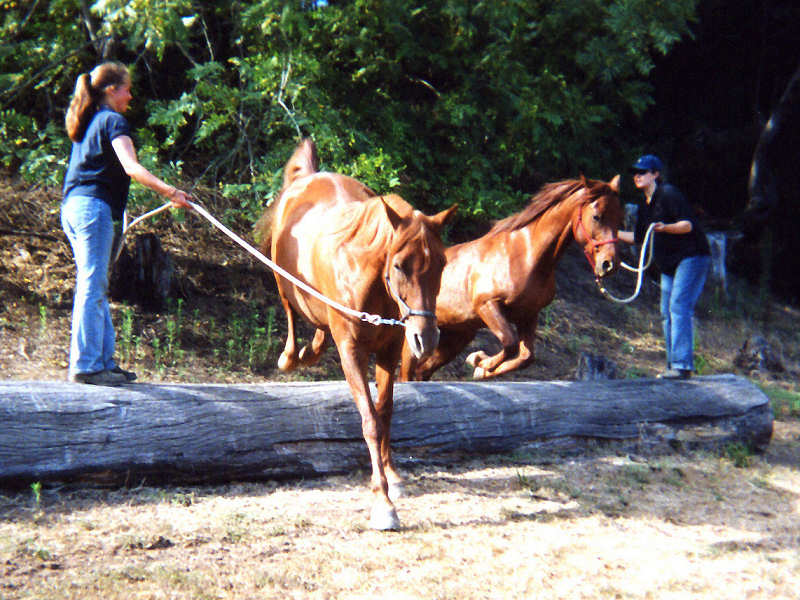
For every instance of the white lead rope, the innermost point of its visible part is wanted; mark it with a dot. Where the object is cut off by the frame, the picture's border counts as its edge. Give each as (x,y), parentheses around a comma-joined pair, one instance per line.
(647,250)
(363,316)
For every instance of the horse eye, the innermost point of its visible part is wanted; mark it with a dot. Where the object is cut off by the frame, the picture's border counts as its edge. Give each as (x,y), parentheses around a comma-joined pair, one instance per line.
(596,218)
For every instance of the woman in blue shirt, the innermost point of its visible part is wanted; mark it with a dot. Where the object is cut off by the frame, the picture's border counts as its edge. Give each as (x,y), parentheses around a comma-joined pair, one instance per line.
(681,252)
(101,165)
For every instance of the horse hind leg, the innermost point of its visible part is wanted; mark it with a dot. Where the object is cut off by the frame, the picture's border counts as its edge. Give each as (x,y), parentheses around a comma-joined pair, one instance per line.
(288,359)
(312,352)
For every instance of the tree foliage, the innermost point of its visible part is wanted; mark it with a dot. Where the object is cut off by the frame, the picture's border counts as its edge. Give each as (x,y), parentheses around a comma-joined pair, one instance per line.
(442,100)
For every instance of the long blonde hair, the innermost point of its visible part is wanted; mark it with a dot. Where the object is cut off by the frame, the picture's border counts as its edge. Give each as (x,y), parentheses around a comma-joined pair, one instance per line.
(89,90)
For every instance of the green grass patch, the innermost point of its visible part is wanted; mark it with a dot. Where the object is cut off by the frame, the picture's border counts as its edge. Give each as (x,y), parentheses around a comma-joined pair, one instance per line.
(785,403)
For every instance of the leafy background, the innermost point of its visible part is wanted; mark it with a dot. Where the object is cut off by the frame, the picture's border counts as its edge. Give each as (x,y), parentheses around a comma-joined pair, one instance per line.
(478,102)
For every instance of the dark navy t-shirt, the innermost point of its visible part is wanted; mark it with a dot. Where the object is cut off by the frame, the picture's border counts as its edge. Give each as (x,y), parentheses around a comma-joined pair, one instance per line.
(669,205)
(94,169)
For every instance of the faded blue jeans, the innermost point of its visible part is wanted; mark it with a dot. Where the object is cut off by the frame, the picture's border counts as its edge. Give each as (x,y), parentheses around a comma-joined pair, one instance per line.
(679,294)
(90,230)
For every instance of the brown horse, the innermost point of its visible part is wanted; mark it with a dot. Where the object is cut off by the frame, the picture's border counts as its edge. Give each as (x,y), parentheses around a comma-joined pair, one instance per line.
(373,254)
(503,279)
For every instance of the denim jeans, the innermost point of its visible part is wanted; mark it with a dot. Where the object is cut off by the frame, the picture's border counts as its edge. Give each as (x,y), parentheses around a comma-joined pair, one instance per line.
(679,294)
(90,230)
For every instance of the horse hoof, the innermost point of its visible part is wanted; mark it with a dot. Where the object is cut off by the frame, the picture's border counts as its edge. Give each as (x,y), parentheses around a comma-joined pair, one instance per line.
(473,359)
(384,518)
(396,491)
(479,373)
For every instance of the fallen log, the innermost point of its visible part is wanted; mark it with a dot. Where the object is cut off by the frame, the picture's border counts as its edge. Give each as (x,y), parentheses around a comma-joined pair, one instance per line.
(205,433)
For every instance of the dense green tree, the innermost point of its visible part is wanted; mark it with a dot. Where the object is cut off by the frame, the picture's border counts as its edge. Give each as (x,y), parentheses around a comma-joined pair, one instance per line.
(444,100)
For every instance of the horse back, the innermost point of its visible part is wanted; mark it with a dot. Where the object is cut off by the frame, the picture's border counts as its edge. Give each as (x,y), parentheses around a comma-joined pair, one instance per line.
(329,232)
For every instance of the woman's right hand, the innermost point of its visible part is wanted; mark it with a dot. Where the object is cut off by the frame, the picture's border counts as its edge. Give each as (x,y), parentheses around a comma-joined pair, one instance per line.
(180,199)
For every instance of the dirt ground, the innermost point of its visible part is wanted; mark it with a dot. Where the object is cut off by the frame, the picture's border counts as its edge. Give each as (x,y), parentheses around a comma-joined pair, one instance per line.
(604,524)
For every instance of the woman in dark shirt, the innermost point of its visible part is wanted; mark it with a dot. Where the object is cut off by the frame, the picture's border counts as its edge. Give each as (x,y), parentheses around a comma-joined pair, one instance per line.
(101,165)
(681,252)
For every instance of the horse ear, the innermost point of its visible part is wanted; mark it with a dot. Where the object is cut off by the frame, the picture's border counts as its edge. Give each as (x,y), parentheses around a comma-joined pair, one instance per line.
(439,220)
(614,183)
(584,181)
(394,218)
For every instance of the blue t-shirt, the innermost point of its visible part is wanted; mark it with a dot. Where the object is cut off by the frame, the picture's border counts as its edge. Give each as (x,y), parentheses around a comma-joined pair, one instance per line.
(94,169)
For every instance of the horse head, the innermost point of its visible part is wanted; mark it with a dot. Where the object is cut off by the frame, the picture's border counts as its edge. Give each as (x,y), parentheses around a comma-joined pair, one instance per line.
(598,218)
(413,271)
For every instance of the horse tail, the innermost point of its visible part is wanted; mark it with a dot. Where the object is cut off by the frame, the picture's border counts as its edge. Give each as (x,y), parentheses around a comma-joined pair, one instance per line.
(262,231)
(303,162)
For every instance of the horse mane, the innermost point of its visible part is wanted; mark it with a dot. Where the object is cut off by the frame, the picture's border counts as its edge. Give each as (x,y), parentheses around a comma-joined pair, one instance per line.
(548,196)
(368,228)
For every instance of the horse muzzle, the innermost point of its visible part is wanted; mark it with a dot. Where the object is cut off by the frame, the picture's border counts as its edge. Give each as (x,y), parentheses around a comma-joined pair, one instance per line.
(604,267)
(422,336)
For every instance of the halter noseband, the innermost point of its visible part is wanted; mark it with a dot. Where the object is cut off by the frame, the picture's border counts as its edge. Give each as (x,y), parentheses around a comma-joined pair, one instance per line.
(409,312)
(589,254)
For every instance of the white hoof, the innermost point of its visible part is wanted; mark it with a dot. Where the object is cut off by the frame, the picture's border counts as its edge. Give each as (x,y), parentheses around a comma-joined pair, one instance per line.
(396,491)
(384,518)
(473,359)
(478,373)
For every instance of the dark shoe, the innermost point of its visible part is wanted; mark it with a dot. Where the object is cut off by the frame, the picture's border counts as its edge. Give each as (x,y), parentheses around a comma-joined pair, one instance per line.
(129,375)
(675,374)
(98,378)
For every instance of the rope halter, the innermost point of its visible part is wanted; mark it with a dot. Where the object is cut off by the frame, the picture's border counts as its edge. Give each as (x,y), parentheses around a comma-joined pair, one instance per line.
(591,242)
(407,310)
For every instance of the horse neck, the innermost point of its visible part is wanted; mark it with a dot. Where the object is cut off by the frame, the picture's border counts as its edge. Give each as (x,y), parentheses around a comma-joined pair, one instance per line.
(369,234)
(555,229)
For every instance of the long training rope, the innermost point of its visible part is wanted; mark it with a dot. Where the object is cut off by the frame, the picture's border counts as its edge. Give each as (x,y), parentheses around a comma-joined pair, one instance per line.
(361,315)
(645,258)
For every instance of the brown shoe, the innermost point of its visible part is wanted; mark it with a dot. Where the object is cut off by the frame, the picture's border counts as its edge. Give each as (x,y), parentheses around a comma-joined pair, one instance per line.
(98,378)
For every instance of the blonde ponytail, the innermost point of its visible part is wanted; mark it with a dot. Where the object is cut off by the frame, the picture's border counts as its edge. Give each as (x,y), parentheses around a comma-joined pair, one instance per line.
(89,90)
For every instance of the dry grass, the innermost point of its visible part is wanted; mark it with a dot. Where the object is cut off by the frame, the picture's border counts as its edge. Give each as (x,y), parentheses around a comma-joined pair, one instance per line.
(603,525)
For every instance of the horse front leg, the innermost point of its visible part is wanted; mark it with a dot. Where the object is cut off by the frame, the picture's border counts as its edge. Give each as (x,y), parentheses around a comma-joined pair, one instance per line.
(492,315)
(383,515)
(524,356)
(385,364)
(408,364)
(451,342)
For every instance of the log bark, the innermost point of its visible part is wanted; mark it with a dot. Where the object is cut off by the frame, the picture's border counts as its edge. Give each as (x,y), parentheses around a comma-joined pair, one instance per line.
(205,433)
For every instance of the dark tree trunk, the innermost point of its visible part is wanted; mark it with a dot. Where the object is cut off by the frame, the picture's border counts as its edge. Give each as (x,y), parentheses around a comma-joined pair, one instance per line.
(777,150)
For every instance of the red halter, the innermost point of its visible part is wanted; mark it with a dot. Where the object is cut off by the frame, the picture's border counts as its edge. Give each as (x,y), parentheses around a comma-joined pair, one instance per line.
(591,242)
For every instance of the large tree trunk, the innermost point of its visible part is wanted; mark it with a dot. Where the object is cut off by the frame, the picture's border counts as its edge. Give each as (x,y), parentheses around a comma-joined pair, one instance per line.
(202,433)
(775,155)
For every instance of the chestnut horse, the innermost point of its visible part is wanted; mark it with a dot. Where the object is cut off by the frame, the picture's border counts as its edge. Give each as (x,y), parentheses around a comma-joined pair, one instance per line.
(502,280)
(373,254)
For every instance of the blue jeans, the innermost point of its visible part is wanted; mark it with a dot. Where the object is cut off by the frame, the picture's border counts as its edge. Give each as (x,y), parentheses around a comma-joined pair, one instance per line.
(679,294)
(90,229)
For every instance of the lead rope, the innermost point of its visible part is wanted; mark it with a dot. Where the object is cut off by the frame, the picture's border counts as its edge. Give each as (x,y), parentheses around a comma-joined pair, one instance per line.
(363,316)
(647,250)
